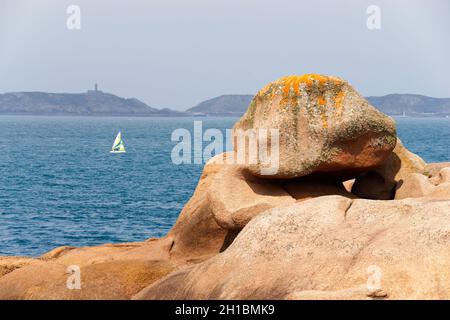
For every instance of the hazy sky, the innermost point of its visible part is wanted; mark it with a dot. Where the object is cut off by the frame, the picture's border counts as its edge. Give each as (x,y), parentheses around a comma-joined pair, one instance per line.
(176,53)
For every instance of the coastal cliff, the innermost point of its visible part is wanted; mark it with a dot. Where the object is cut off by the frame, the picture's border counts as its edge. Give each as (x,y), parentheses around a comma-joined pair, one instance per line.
(349,202)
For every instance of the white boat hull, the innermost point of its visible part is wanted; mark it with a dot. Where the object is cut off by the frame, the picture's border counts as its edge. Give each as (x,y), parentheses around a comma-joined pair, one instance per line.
(117,152)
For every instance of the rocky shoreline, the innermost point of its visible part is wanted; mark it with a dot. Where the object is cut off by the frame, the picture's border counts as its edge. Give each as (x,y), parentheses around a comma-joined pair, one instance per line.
(351,214)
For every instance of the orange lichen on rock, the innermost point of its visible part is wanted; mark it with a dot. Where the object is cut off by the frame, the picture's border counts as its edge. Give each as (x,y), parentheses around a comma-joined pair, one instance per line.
(321,100)
(338,99)
(293,82)
(289,90)
(307,79)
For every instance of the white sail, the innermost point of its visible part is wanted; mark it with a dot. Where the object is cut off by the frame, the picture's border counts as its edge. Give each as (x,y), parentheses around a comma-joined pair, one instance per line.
(118,146)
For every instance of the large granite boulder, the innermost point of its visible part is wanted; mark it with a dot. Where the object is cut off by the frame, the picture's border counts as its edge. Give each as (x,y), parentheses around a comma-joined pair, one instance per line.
(327,248)
(324,126)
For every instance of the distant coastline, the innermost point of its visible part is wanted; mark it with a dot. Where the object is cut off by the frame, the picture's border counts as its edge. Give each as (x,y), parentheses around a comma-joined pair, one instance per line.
(98,103)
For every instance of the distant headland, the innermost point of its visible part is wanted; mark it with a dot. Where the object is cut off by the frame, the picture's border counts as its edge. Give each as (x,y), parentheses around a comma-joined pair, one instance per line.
(98,103)
(90,103)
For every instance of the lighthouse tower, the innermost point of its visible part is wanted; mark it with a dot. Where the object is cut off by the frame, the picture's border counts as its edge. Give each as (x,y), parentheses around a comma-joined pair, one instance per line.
(95,89)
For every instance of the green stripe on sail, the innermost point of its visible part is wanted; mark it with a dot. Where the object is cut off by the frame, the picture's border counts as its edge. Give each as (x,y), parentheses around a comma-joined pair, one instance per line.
(118,143)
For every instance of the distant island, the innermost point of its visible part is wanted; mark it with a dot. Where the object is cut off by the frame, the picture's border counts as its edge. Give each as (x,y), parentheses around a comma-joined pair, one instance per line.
(90,103)
(99,103)
(413,105)
(225,105)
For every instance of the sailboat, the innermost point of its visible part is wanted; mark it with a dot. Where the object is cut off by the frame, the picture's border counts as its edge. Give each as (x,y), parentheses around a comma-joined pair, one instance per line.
(118,146)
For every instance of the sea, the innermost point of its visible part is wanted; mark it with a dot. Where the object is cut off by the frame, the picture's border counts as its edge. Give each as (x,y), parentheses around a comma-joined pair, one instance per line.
(60,185)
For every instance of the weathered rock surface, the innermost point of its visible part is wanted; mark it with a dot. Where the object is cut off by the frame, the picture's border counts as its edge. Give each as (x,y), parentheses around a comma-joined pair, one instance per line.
(384,181)
(324,126)
(9,264)
(326,248)
(443,177)
(117,279)
(416,185)
(106,272)
(236,197)
(196,233)
(432,169)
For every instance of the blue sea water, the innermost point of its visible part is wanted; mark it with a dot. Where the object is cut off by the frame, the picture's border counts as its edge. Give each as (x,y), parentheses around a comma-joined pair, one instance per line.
(59,185)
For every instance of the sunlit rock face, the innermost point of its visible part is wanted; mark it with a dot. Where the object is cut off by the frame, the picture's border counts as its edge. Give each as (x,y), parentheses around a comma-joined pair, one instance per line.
(324,126)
